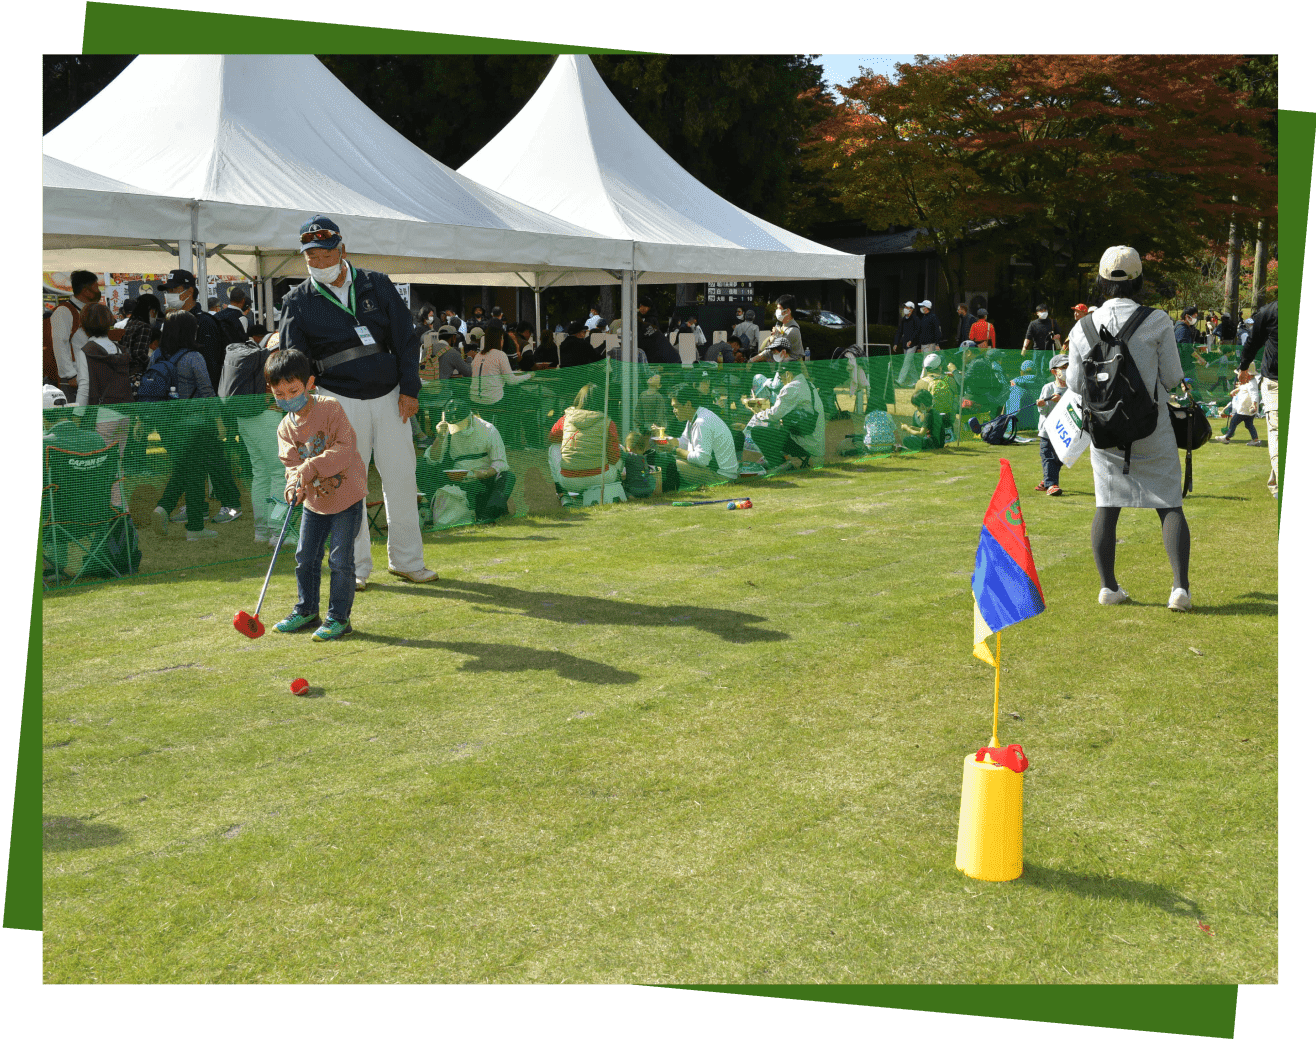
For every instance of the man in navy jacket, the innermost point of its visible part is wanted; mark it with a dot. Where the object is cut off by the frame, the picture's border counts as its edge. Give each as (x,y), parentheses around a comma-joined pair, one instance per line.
(365,352)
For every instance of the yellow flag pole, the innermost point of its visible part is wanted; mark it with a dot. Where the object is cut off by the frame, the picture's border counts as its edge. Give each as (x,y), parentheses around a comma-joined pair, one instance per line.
(996,704)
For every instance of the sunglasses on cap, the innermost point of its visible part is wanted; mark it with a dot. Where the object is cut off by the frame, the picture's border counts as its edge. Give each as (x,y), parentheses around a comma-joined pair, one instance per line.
(321,235)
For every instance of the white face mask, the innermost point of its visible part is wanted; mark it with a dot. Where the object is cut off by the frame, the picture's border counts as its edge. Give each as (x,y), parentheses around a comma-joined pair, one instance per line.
(325,275)
(1042,314)
(173,301)
(907,312)
(779,314)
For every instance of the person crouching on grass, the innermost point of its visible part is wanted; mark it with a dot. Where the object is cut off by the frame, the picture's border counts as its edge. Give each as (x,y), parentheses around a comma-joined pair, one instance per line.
(325,473)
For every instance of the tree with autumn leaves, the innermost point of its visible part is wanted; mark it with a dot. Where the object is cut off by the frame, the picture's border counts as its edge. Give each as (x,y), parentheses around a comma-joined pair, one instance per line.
(1051,158)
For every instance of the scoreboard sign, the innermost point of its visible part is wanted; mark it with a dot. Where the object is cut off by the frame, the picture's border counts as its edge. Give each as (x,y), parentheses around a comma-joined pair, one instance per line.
(730,292)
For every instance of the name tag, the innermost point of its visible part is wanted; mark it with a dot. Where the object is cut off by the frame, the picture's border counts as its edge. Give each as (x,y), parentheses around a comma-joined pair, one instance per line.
(364,335)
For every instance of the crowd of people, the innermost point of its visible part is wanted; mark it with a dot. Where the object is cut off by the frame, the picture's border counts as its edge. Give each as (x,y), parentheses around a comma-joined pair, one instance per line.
(434,401)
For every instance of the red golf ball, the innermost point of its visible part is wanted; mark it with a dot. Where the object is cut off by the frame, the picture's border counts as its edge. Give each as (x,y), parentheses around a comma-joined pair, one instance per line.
(300,687)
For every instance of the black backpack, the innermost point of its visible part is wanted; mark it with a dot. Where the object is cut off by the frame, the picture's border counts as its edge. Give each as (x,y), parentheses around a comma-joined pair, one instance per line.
(160,379)
(1000,430)
(242,379)
(1117,409)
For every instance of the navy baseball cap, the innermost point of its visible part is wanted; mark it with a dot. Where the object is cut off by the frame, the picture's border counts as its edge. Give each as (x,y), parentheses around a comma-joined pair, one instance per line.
(320,233)
(181,279)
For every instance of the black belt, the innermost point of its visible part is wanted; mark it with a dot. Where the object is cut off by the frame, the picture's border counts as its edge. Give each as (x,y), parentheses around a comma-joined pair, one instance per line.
(320,366)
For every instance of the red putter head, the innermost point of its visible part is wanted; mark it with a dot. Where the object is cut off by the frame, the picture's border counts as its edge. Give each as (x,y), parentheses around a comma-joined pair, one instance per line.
(248,625)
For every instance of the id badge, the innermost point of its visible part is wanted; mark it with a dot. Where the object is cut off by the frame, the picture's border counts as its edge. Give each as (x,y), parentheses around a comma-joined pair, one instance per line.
(364,335)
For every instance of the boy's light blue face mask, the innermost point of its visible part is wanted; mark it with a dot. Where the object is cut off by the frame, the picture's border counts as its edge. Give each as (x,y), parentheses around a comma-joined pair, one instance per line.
(293,403)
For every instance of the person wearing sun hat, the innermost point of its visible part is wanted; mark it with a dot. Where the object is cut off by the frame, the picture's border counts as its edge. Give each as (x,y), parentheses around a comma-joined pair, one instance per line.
(1153,477)
(365,352)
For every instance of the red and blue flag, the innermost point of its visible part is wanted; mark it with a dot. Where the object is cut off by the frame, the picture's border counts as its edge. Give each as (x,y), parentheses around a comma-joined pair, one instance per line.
(1005,585)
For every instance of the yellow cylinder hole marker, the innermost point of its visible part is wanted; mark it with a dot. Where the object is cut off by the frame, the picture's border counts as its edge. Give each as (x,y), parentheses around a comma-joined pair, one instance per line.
(991,838)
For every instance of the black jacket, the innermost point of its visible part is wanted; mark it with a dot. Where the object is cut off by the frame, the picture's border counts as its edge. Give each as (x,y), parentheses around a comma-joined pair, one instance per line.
(210,341)
(230,323)
(929,329)
(319,327)
(1265,333)
(907,331)
(575,350)
(966,323)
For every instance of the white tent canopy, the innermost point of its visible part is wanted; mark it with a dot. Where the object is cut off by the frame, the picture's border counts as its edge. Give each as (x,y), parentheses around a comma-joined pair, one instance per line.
(619,182)
(251,146)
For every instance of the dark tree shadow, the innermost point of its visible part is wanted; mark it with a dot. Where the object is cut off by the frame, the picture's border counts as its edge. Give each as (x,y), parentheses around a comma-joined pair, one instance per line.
(1093,886)
(501,658)
(65,833)
(731,625)
(1219,497)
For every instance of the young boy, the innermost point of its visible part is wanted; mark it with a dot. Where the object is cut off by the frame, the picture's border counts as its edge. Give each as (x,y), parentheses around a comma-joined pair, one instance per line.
(637,481)
(1046,401)
(324,473)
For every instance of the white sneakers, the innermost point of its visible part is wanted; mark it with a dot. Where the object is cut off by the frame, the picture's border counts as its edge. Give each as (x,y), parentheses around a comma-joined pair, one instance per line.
(420,576)
(1180,600)
(360,585)
(160,520)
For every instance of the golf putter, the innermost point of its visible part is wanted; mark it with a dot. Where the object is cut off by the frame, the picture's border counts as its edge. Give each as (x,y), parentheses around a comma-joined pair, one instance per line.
(249,624)
(704,501)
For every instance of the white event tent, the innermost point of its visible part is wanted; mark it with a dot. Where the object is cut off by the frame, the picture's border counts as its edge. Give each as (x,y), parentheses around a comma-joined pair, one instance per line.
(234,153)
(573,151)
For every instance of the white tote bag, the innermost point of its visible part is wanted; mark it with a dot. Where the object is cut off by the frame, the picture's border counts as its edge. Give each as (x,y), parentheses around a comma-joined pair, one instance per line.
(1064,426)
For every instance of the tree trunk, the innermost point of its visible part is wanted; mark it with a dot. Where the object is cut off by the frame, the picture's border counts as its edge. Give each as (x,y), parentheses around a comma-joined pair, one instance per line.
(1232,266)
(607,303)
(1259,267)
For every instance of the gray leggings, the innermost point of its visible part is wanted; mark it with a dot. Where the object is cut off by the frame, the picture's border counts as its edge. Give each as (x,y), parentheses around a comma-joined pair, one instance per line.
(1174,535)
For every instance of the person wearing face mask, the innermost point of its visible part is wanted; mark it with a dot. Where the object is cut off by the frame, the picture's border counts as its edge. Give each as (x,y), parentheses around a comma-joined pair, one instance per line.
(792,433)
(785,333)
(66,335)
(929,328)
(364,351)
(181,294)
(1042,333)
(907,339)
(747,331)
(466,443)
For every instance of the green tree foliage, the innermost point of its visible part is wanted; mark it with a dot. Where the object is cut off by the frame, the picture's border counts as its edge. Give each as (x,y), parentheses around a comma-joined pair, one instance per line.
(1053,157)
(69,81)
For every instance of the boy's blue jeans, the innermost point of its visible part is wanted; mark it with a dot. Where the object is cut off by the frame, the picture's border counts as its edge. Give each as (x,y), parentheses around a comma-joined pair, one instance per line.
(1050,462)
(339,529)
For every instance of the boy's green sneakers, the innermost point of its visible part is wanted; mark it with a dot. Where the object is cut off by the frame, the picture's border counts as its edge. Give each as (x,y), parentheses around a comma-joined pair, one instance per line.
(296,622)
(332,629)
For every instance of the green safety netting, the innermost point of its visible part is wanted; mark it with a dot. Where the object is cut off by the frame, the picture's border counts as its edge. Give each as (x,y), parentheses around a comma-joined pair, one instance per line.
(105,469)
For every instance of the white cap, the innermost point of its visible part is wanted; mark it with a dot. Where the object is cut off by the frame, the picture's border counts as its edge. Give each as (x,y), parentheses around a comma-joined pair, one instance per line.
(1120,263)
(53,397)
(909,303)
(926,303)
(1059,361)
(932,361)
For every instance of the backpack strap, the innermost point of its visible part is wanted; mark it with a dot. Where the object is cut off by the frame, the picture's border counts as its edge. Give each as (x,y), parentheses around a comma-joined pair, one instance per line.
(1131,325)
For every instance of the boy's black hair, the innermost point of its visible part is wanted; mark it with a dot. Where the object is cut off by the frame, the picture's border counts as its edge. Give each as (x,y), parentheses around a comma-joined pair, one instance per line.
(786,302)
(1119,289)
(79,280)
(287,366)
(922,399)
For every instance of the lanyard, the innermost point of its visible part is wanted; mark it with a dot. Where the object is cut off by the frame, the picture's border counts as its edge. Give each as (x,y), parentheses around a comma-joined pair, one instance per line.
(351,294)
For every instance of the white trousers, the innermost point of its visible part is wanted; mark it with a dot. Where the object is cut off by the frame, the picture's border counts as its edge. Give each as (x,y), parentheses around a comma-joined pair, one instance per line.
(260,436)
(1270,397)
(381,433)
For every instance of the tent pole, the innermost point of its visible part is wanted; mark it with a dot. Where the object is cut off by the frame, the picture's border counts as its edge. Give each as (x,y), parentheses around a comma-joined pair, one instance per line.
(539,320)
(628,355)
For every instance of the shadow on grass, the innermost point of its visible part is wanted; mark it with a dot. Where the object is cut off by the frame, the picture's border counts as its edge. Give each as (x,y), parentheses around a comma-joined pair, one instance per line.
(498,658)
(1093,886)
(1241,609)
(65,833)
(731,625)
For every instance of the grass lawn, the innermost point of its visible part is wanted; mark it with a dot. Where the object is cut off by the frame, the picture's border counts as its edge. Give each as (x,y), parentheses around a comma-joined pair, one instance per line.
(645,744)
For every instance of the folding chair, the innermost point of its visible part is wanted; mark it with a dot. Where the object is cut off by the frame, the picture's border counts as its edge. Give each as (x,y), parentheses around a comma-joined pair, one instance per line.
(77,511)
